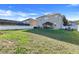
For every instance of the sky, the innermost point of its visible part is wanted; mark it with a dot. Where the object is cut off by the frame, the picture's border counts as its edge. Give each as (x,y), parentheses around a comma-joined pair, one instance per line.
(21,12)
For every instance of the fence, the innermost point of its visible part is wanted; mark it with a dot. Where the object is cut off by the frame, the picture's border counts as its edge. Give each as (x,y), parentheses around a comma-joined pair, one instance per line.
(78,28)
(15,27)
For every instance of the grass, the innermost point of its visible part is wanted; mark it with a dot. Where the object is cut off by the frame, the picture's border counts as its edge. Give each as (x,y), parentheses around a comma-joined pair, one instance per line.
(55,41)
(39,41)
(17,37)
(62,35)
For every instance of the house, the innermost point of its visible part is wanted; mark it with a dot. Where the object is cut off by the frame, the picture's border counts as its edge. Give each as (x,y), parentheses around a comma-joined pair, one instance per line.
(71,25)
(31,22)
(55,21)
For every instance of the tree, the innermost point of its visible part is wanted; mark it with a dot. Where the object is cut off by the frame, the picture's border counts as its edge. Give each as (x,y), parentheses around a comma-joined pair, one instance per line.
(65,21)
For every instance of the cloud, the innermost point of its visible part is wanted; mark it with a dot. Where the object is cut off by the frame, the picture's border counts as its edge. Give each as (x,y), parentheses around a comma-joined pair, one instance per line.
(73,15)
(13,15)
(5,13)
(46,13)
(72,5)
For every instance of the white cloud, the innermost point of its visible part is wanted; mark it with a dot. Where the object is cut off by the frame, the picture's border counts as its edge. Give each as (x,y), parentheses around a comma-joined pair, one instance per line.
(13,15)
(32,14)
(74,5)
(5,13)
(45,13)
(72,15)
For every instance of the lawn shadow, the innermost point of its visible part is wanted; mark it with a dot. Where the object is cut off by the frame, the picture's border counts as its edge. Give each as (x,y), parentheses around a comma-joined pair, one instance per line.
(61,35)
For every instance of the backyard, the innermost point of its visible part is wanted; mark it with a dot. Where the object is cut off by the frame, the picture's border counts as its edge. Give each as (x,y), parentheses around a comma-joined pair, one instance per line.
(39,41)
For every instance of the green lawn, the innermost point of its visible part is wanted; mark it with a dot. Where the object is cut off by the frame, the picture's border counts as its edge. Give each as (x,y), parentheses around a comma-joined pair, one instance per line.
(13,40)
(39,41)
(61,35)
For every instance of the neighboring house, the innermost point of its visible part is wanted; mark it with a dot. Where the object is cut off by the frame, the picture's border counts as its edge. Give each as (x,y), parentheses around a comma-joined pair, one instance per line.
(72,25)
(31,22)
(54,21)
